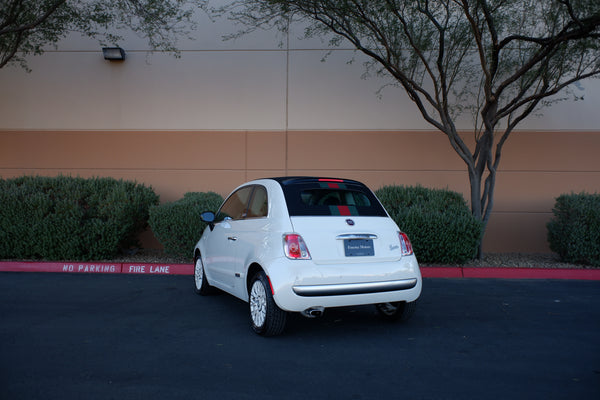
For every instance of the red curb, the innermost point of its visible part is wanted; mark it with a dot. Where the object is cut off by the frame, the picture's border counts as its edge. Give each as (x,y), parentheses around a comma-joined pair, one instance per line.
(97,268)
(158,269)
(532,273)
(510,273)
(33,266)
(188,269)
(441,272)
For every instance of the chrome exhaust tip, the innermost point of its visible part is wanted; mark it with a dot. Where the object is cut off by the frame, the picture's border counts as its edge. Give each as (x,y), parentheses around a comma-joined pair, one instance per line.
(313,312)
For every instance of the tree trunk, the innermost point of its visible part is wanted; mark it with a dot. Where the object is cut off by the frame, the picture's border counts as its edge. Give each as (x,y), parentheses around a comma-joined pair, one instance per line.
(476,203)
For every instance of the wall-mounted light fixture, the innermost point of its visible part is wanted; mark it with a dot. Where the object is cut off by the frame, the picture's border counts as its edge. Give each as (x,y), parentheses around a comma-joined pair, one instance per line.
(113,53)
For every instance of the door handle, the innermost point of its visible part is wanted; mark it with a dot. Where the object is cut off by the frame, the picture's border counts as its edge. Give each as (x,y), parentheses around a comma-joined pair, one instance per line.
(232,238)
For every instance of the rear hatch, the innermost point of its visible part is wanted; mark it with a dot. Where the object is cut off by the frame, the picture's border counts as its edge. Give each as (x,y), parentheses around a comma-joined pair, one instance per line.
(340,220)
(346,240)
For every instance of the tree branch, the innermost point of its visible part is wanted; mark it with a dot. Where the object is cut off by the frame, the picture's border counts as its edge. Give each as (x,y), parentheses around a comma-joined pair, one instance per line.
(35,23)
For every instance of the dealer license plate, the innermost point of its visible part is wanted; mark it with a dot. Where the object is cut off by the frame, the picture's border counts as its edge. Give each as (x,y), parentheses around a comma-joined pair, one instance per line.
(359,247)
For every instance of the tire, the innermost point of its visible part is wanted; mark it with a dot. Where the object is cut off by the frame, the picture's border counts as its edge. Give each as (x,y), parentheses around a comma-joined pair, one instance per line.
(399,311)
(266,318)
(201,285)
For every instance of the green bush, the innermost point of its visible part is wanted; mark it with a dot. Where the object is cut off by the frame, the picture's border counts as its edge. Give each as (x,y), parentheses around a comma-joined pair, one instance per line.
(438,222)
(178,226)
(574,231)
(66,218)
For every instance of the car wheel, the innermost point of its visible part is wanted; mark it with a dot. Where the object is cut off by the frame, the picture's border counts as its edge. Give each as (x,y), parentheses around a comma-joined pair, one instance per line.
(399,311)
(201,284)
(266,318)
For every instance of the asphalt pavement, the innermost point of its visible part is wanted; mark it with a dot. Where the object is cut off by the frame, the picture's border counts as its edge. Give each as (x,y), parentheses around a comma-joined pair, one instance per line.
(84,336)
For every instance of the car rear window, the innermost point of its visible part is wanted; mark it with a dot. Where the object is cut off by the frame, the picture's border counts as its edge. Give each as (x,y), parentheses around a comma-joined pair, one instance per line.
(314,197)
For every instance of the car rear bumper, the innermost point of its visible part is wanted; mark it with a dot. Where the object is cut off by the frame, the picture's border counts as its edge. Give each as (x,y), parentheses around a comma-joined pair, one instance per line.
(354,288)
(298,286)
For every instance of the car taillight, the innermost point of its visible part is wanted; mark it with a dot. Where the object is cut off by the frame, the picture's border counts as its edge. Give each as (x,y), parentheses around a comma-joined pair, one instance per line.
(405,245)
(294,247)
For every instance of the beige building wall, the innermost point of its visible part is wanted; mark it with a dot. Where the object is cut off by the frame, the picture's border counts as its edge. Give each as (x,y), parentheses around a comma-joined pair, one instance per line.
(226,112)
(175,162)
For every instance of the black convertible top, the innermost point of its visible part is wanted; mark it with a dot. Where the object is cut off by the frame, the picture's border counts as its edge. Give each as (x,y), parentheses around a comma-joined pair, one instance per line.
(315,196)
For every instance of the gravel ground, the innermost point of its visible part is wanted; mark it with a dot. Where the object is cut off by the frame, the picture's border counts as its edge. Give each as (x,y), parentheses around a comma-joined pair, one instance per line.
(522,260)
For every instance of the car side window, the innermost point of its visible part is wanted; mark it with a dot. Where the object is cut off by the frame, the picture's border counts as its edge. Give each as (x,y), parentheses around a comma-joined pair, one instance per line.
(235,206)
(259,205)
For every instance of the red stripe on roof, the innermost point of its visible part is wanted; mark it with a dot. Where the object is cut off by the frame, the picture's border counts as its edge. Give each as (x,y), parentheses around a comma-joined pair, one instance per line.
(331,180)
(344,210)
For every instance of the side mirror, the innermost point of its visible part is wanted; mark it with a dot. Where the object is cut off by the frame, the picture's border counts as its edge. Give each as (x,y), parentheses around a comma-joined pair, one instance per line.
(209,218)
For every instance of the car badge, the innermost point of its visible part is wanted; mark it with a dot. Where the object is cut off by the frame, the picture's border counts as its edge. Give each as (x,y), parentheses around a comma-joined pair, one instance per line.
(350,222)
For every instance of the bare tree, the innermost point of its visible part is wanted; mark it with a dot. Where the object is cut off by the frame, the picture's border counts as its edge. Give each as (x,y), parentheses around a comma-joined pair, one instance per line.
(499,60)
(30,26)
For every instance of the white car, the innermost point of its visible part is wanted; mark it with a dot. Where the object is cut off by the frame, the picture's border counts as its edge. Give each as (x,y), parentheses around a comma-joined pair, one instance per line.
(303,244)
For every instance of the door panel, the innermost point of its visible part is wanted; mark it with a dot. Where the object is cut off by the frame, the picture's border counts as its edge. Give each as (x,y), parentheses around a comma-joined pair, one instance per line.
(219,256)
(220,253)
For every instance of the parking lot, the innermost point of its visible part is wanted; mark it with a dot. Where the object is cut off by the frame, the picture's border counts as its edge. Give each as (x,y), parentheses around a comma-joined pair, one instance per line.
(75,336)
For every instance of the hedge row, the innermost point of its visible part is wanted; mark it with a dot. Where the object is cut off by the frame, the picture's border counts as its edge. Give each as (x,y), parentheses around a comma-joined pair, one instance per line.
(574,231)
(178,226)
(438,222)
(66,218)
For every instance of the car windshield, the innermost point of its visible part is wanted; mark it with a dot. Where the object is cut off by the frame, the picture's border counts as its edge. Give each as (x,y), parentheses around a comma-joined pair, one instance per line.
(333,198)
